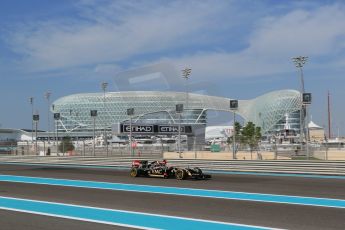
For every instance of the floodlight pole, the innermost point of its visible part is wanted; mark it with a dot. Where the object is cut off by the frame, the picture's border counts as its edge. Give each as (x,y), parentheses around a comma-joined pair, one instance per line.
(299,62)
(104,87)
(185,74)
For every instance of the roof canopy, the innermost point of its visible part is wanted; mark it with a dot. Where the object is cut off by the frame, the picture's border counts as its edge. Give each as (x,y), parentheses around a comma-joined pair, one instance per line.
(312,125)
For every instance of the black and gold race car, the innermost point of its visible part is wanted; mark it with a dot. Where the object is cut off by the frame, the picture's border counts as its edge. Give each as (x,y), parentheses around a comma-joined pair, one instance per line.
(161,169)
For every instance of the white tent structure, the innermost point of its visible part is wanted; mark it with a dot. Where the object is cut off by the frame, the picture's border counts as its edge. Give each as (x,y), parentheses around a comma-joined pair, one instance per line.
(218,132)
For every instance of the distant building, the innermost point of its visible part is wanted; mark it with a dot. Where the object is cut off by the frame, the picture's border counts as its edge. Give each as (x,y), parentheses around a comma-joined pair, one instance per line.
(9,139)
(267,111)
(7,135)
(218,132)
(316,133)
(73,114)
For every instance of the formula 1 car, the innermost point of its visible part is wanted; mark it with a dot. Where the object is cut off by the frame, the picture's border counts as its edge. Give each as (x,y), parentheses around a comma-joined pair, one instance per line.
(161,169)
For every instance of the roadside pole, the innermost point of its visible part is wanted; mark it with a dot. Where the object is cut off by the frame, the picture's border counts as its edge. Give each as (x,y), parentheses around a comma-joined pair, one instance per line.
(57,118)
(130,113)
(93,114)
(36,118)
(233,108)
(179,111)
(306,100)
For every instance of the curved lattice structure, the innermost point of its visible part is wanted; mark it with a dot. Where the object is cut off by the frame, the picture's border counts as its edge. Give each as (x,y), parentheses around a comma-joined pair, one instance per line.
(268,111)
(159,107)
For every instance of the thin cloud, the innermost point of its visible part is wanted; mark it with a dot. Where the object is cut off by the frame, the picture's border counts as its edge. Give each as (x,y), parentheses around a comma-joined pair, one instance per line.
(318,33)
(109,37)
(193,33)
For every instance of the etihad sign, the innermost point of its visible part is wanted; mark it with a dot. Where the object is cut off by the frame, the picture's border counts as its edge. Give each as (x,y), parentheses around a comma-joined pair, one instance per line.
(170,129)
(155,129)
(138,128)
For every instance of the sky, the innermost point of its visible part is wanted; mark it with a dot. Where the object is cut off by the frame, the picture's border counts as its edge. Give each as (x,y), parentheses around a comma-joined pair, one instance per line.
(236,48)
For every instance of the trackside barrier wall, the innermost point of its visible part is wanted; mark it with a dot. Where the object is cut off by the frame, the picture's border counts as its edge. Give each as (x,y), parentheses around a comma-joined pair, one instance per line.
(275,166)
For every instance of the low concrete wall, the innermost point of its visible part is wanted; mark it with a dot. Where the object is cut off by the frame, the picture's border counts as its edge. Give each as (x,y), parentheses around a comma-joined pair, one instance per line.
(332,154)
(241,155)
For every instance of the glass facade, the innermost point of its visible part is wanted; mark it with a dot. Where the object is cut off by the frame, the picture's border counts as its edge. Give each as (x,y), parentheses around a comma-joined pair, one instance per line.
(266,111)
(269,110)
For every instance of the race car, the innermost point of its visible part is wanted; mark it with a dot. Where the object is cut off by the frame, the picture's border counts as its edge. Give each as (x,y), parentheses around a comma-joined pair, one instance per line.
(161,169)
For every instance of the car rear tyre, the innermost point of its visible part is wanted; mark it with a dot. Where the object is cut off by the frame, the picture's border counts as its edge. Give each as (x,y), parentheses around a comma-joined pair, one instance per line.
(134,172)
(180,174)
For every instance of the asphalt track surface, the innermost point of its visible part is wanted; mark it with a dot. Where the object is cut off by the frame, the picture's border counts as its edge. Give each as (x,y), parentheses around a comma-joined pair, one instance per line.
(274,215)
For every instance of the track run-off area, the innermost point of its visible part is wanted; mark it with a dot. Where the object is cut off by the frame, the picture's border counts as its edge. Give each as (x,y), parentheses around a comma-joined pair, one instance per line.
(54,197)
